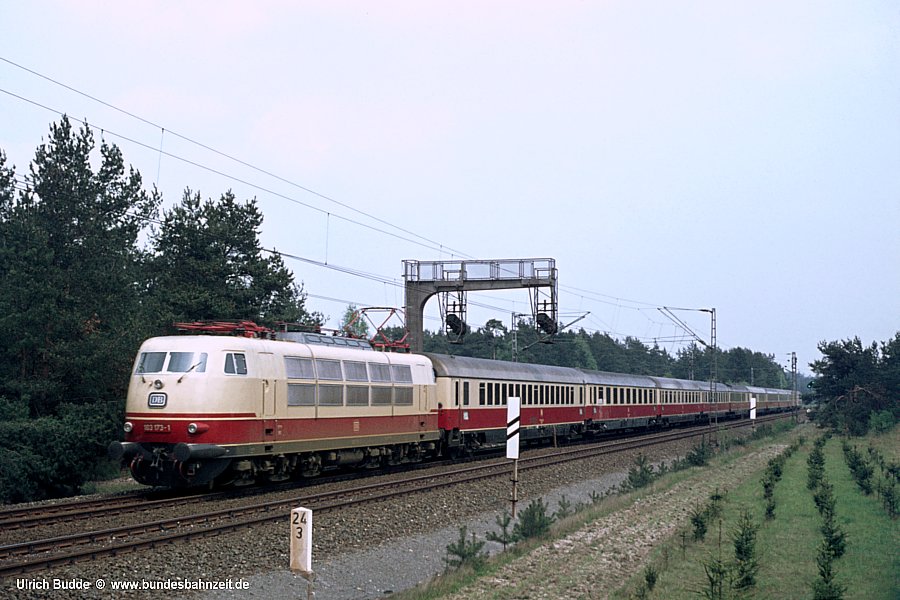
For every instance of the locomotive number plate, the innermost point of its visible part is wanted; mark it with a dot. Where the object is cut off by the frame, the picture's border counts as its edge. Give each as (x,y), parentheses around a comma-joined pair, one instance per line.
(156,400)
(157,428)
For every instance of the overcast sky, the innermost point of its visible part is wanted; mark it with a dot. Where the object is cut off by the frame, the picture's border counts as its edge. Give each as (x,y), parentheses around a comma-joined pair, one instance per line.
(737,155)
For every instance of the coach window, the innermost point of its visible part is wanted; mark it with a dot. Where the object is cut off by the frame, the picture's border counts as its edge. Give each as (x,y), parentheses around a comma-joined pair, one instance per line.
(503,394)
(465,393)
(235,363)
(481,393)
(456,392)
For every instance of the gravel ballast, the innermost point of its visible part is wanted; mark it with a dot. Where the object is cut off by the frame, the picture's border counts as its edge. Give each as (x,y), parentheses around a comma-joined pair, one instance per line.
(359,553)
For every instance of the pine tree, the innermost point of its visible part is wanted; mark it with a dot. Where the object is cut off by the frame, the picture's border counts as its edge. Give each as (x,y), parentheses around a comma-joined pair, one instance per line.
(744,540)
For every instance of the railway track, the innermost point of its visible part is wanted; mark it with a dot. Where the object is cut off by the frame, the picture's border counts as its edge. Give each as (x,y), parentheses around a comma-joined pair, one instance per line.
(42,554)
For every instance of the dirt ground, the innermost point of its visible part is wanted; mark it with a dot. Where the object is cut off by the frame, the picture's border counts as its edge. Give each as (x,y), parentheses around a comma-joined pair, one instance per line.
(599,558)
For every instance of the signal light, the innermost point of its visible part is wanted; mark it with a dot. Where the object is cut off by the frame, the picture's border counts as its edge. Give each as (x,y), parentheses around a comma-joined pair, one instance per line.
(546,324)
(457,325)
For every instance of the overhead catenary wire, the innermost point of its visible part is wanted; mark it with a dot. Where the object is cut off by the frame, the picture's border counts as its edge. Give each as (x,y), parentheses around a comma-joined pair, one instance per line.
(641,307)
(227,156)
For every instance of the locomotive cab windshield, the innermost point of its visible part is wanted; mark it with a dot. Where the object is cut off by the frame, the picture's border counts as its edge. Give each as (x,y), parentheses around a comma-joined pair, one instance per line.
(170,362)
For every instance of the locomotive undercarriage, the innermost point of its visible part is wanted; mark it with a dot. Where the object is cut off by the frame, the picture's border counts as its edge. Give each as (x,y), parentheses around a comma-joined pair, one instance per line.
(160,466)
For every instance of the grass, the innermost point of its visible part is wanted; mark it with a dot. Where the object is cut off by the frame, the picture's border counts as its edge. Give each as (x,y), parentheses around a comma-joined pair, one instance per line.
(453,581)
(787,545)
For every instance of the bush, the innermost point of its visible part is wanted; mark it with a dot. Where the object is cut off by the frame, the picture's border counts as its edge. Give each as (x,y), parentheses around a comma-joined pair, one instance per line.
(640,475)
(826,587)
(699,455)
(54,456)
(699,521)
(533,521)
(881,422)
(465,553)
(505,537)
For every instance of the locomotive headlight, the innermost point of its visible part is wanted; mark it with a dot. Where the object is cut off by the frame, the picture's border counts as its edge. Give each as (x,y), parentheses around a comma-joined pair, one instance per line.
(158,385)
(127,427)
(195,428)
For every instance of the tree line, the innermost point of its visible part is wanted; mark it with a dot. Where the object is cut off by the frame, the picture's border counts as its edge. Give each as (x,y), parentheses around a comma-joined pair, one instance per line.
(858,386)
(91,265)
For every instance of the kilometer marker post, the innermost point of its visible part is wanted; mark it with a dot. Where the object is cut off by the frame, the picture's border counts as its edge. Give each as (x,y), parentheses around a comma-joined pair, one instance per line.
(513,409)
(301,547)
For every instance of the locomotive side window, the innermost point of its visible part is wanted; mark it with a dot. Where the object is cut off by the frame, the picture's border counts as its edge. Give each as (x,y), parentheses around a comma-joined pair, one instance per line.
(329,369)
(401,373)
(299,368)
(379,372)
(301,394)
(355,371)
(151,362)
(235,363)
(331,395)
(403,396)
(357,395)
(381,396)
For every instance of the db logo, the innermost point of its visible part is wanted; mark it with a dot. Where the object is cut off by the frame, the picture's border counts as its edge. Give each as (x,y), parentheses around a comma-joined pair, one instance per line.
(156,400)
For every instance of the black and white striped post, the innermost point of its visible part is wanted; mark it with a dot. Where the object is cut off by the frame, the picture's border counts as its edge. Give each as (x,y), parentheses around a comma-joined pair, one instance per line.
(513,406)
(753,414)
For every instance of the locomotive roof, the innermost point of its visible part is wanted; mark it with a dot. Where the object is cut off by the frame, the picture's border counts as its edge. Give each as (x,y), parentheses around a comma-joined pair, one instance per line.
(213,343)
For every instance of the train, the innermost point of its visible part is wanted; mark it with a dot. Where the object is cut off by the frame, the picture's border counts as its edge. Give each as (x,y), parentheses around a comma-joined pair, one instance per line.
(231,410)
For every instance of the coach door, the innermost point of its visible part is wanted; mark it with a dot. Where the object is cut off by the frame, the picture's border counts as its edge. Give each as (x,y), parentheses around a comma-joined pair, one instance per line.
(267,381)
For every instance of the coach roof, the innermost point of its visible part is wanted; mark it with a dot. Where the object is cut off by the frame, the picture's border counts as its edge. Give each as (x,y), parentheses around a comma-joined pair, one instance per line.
(480,368)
